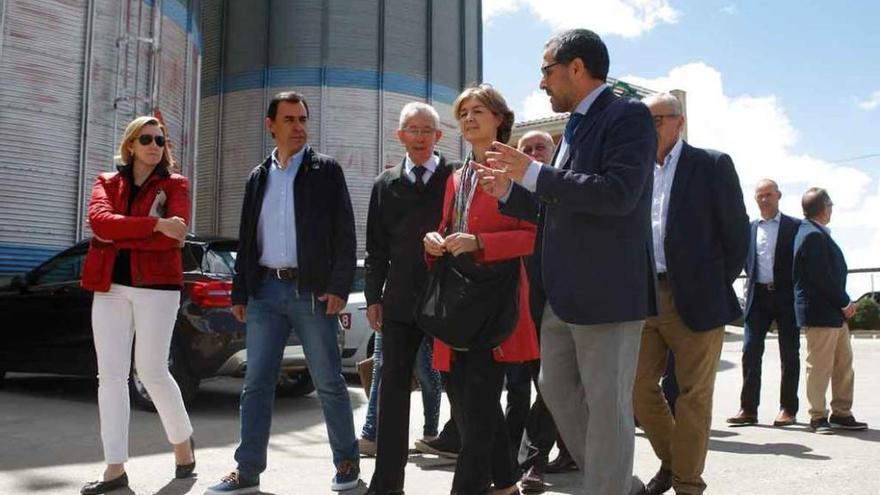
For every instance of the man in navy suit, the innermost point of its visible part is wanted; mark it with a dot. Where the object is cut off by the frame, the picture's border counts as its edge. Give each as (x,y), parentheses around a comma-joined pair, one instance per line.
(700,233)
(769,298)
(821,307)
(593,207)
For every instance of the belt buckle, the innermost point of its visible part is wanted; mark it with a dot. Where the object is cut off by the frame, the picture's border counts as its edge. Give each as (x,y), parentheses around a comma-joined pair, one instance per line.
(771,287)
(278,274)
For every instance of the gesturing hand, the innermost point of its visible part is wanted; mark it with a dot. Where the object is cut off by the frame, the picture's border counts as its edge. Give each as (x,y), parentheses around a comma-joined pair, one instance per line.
(511,160)
(493,181)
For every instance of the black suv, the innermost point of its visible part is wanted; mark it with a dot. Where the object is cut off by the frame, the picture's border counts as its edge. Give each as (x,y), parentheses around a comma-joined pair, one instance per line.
(48,329)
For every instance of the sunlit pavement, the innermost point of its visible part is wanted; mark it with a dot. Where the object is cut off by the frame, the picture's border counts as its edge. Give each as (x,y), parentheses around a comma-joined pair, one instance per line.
(49,440)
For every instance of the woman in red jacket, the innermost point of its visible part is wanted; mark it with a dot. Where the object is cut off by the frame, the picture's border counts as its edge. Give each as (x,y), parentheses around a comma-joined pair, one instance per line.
(138,216)
(477,377)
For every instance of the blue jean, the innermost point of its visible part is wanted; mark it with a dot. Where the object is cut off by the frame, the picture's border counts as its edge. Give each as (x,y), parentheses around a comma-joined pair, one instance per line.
(271,314)
(429,383)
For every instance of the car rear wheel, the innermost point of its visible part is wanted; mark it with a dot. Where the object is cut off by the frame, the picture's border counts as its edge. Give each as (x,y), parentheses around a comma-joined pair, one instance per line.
(186,381)
(294,384)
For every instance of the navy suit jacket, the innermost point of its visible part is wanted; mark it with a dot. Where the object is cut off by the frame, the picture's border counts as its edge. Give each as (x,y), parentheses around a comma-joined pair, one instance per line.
(819,278)
(782,261)
(706,239)
(594,249)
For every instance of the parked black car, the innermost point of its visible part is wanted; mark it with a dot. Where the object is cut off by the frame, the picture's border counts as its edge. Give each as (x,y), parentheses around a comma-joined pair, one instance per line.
(47,324)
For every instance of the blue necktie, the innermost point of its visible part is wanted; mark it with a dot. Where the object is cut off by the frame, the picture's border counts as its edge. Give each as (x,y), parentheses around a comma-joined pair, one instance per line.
(573,121)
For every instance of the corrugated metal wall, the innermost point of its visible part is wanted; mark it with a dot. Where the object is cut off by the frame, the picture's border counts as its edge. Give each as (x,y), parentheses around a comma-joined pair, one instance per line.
(72,74)
(357,63)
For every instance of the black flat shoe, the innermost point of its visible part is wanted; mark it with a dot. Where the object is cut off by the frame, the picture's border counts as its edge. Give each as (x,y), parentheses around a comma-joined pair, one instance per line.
(186,470)
(98,487)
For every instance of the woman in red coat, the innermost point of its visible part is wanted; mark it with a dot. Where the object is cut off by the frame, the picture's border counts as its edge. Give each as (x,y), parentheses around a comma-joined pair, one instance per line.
(138,216)
(476,377)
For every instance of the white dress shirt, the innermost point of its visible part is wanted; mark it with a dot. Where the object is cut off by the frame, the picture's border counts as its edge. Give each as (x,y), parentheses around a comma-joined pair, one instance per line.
(766,236)
(664,176)
(430,167)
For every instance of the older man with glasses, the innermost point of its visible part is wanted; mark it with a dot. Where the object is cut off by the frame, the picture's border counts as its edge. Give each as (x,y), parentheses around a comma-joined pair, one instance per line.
(700,232)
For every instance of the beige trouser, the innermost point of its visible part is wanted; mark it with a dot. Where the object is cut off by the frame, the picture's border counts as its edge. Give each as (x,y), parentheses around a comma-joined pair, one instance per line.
(681,442)
(829,358)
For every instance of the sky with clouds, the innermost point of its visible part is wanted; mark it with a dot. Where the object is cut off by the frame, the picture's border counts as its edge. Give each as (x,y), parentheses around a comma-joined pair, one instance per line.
(791,91)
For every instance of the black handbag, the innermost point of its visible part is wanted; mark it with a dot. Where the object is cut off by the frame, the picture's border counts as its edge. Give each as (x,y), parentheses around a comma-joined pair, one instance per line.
(468,305)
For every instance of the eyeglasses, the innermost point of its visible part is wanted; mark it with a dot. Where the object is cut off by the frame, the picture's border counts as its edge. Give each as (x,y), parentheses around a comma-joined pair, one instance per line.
(545,69)
(528,149)
(412,131)
(146,139)
(658,119)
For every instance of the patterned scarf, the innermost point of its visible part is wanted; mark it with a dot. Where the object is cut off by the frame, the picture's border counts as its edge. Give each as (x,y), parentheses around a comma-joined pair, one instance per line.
(464,196)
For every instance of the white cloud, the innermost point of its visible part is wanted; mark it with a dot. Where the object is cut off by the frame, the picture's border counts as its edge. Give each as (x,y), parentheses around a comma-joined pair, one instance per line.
(535,106)
(627,18)
(758,134)
(729,9)
(495,8)
(872,102)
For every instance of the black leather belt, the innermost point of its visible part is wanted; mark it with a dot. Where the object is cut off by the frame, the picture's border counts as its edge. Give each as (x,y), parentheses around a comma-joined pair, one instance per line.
(768,287)
(661,277)
(280,273)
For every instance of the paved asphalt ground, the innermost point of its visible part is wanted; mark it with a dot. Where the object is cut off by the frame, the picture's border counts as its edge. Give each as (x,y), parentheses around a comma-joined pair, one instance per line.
(49,440)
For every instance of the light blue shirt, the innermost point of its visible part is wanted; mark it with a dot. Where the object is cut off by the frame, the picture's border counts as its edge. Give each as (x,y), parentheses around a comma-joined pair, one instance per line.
(276,229)
(530,179)
(766,234)
(664,176)
(430,167)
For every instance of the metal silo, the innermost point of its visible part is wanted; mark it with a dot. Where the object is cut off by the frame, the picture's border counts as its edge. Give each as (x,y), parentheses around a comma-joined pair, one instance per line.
(357,62)
(72,74)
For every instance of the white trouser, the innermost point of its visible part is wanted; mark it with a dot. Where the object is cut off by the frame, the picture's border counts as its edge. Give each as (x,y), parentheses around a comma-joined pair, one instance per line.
(116,316)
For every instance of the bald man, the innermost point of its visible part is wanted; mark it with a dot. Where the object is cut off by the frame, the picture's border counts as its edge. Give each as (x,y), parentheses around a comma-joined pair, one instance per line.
(769,298)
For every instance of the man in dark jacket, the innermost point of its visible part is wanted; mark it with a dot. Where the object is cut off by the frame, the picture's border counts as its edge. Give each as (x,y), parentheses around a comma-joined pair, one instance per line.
(770,297)
(821,307)
(700,235)
(294,269)
(406,203)
(592,205)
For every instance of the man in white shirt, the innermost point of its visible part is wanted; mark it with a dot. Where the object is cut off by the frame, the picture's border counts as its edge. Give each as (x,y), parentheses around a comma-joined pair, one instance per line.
(769,298)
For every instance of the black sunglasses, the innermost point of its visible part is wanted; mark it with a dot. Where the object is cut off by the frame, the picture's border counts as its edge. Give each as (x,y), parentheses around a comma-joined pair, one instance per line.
(146,139)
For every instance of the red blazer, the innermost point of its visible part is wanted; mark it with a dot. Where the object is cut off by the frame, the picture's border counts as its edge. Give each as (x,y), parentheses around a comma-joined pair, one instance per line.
(155,257)
(502,237)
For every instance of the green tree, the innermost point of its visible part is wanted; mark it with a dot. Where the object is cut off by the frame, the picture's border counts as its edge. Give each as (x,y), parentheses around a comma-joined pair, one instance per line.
(867,315)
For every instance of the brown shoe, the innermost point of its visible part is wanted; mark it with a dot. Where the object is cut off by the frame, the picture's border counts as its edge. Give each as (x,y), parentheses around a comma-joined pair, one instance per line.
(743,418)
(533,481)
(784,418)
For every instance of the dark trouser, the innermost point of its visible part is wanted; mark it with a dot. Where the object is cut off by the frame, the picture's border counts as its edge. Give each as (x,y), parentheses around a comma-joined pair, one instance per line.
(669,384)
(768,306)
(540,431)
(486,457)
(400,346)
(519,398)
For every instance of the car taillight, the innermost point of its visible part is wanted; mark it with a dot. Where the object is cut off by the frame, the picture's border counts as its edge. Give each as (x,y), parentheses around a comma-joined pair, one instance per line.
(213,294)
